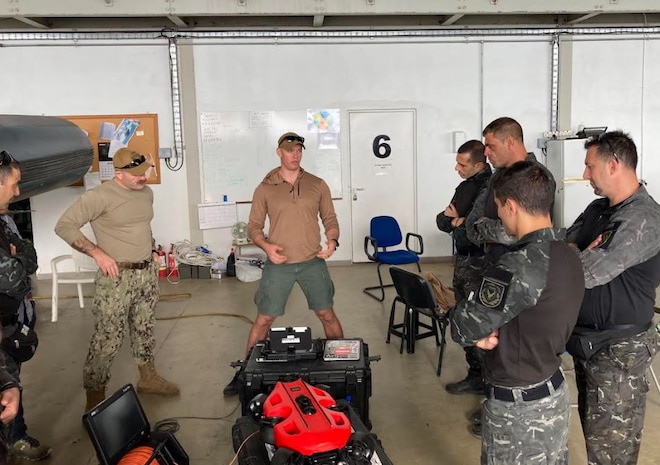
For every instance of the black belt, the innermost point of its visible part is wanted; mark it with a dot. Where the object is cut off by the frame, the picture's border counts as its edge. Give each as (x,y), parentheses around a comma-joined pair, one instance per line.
(475,254)
(133,265)
(605,327)
(535,393)
(9,320)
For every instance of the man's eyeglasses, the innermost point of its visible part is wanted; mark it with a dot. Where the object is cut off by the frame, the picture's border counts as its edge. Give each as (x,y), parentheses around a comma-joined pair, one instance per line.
(134,162)
(294,139)
(5,158)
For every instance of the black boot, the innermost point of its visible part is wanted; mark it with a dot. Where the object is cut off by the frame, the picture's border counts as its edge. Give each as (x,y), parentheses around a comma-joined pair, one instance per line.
(470,385)
(475,418)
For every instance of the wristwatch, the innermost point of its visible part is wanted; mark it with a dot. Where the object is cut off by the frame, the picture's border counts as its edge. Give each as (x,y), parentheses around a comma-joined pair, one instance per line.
(336,241)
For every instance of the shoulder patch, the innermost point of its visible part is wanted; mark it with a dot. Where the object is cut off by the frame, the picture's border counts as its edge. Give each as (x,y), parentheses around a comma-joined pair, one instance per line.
(608,234)
(494,288)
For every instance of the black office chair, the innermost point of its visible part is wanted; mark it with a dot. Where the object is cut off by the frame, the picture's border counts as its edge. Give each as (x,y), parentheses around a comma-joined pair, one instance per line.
(384,233)
(415,293)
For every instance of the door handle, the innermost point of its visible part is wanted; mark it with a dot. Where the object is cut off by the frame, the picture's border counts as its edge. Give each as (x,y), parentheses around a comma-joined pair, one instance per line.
(355,190)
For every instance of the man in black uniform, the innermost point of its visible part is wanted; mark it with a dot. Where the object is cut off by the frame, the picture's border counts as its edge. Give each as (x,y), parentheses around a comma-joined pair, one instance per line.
(18,260)
(614,342)
(472,167)
(522,315)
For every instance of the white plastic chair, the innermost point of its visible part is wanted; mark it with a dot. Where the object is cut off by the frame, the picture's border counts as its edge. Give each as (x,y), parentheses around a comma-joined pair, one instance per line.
(84,272)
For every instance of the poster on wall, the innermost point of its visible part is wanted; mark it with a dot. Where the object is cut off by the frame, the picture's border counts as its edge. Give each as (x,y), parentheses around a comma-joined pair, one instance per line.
(327,125)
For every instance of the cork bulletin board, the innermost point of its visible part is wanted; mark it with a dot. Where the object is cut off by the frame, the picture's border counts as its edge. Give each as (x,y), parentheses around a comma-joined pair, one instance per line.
(143,138)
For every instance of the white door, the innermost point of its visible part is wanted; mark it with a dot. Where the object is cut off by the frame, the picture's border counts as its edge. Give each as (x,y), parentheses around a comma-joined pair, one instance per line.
(383,166)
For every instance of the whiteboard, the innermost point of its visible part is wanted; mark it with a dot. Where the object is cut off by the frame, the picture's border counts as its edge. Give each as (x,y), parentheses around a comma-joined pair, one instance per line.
(238,149)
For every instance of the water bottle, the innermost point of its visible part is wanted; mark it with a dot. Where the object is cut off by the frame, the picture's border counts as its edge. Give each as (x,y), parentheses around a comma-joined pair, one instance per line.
(231,264)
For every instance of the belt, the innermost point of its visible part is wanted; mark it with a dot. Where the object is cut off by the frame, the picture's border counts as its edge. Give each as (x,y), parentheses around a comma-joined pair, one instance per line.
(475,254)
(535,393)
(9,320)
(604,327)
(133,265)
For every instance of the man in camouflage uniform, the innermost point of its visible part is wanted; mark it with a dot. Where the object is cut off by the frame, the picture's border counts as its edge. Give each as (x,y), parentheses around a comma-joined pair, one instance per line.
(522,314)
(472,167)
(18,260)
(120,213)
(505,145)
(618,239)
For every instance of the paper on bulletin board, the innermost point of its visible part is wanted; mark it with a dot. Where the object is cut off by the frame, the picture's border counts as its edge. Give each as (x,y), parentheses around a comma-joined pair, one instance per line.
(217,215)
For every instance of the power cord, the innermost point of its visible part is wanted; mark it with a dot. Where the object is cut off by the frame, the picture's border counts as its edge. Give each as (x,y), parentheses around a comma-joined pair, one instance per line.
(194,254)
(171,425)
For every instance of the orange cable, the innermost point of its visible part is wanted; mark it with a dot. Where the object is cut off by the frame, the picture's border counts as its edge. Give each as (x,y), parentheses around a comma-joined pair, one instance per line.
(139,456)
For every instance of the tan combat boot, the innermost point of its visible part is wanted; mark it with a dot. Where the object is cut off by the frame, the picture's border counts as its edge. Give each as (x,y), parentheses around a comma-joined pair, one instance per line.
(152,383)
(94,398)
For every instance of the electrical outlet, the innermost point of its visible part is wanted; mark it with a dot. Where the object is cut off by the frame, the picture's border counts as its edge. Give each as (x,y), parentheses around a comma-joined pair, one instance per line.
(165,152)
(541,143)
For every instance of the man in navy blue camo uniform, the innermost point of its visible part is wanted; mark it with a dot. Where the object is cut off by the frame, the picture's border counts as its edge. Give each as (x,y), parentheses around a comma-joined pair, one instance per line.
(522,314)
(618,239)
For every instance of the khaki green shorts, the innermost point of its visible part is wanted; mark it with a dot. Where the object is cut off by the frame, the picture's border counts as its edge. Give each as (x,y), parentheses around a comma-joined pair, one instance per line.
(277,282)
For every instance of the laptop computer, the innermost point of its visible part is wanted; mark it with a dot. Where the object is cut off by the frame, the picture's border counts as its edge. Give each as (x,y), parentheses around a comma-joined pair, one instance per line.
(117,425)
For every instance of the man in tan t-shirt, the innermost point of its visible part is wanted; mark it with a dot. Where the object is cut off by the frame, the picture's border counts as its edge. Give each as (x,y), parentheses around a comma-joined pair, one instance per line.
(293,200)
(120,213)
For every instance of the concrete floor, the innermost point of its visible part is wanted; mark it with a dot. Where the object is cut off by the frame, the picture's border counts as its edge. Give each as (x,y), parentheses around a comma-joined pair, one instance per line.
(417,421)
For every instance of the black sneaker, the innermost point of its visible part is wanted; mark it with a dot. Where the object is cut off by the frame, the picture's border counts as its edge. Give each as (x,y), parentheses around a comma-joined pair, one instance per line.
(466,386)
(475,430)
(231,389)
(30,449)
(475,418)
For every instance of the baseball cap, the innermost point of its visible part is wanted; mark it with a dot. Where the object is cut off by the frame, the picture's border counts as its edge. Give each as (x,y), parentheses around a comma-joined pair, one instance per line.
(131,162)
(289,140)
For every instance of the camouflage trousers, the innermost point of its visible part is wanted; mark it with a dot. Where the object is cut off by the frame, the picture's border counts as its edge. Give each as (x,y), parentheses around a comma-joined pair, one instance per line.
(612,387)
(16,429)
(468,274)
(128,300)
(526,433)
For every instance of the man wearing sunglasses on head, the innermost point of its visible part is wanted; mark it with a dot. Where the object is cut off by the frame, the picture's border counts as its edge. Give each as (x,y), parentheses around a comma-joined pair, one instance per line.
(293,200)
(120,213)
(18,260)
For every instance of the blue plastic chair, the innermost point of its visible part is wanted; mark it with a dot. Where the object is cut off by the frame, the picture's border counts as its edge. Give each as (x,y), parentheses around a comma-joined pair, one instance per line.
(384,233)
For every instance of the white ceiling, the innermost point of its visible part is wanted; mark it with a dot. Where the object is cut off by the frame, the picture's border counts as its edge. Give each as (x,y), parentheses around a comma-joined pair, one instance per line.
(208,15)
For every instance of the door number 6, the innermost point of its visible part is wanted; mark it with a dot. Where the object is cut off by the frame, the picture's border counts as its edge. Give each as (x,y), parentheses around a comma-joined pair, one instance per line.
(381,148)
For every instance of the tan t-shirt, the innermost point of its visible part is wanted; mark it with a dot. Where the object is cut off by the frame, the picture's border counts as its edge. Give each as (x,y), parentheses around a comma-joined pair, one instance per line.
(120,218)
(293,212)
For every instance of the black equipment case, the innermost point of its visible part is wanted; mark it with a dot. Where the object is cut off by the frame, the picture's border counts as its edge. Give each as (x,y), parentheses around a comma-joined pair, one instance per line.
(342,378)
(118,425)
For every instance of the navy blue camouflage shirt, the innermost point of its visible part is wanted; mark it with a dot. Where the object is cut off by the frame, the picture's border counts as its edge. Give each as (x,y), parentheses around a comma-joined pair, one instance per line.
(532,296)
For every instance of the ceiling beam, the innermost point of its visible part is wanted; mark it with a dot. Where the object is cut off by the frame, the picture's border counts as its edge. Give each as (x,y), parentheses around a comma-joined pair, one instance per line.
(452,19)
(117,8)
(582,18)
(32,22)
(318,20)
(177,20)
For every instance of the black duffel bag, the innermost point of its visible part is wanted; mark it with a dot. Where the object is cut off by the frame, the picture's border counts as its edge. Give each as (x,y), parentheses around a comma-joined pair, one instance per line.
(22,344)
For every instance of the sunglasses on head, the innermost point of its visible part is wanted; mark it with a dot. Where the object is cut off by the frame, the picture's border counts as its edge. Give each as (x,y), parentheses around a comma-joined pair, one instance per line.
(5,158)
(293,139)
(134,162)
(604,140)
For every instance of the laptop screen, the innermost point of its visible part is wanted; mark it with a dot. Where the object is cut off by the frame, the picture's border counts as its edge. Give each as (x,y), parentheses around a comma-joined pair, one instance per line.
(117,425)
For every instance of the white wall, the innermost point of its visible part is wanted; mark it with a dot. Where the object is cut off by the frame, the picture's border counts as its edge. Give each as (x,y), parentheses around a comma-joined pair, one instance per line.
(455,85)
(96,80)
(441,80)
(615,83)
